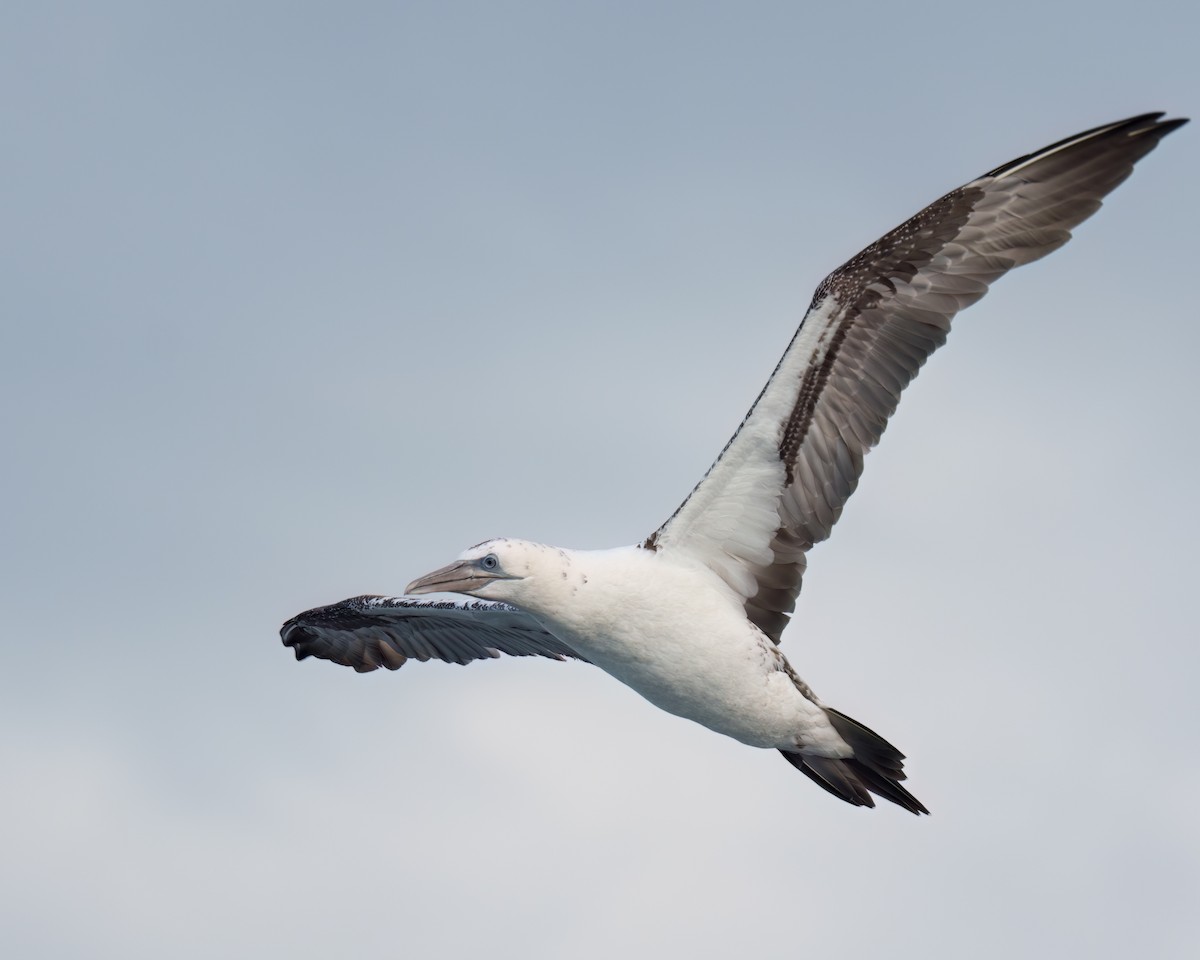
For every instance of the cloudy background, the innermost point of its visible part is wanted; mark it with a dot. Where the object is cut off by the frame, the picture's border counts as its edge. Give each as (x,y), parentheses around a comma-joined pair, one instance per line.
(300,300)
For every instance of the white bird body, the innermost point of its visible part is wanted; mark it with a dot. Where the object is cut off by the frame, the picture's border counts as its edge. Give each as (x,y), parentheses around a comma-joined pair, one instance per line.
(691,618)
(671,629)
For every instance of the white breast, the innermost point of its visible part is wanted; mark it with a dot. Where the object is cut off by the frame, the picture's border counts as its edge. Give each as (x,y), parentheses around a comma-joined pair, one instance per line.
(678,635)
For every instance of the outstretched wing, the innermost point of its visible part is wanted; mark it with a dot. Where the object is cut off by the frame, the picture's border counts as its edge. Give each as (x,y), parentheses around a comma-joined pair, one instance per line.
(780,484)
(371,632)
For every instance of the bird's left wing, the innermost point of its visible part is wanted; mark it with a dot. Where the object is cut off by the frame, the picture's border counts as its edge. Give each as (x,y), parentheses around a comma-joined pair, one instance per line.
(371,632)
(780,484)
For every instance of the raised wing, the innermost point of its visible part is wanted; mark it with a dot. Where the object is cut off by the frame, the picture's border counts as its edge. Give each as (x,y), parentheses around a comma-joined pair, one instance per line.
(780,484)
(371,632)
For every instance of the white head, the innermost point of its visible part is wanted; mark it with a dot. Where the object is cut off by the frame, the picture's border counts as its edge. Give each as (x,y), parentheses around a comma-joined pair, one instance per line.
(500,569)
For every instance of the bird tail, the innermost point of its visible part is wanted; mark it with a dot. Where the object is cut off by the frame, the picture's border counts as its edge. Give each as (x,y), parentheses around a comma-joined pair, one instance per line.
(876,767)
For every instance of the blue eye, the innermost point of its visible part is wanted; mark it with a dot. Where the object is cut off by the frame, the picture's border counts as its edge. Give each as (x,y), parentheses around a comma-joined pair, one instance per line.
(490,562)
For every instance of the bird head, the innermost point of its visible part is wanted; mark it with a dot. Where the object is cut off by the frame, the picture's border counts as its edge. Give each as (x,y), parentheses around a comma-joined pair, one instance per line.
(492,570)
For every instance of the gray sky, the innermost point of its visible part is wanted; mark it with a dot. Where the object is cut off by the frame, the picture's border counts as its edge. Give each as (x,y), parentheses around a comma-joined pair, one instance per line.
(302,300)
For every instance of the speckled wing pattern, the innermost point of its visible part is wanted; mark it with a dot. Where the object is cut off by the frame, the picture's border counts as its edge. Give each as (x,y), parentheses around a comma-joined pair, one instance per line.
(780,484)
(369,632)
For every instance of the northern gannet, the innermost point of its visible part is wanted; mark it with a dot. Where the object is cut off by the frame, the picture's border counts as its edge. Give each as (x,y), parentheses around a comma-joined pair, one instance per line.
(691,617)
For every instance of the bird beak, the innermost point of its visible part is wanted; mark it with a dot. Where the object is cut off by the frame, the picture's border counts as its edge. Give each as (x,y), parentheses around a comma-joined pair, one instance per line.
(462,576)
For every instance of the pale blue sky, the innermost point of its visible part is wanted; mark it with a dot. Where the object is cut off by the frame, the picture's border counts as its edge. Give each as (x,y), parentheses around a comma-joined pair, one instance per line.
(300,300)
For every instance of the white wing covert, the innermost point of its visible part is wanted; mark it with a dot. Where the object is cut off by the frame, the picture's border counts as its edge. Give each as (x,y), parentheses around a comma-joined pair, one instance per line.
(781,482)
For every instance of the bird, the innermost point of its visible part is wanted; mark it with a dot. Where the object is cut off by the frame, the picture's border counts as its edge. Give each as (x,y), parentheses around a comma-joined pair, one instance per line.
(691,617)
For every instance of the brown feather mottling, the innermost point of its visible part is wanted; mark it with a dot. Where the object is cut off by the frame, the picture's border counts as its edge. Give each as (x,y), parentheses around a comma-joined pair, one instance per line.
(894,302)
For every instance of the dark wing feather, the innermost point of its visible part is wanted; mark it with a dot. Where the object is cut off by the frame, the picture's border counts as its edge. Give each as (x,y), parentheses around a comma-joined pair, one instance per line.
(370,632)
(781,482)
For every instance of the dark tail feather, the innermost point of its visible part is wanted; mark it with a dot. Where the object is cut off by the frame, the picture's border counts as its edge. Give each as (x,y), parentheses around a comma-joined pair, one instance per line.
(876,767)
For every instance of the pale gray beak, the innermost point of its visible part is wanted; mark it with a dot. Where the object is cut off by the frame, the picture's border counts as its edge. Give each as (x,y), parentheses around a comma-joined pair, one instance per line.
(462,576)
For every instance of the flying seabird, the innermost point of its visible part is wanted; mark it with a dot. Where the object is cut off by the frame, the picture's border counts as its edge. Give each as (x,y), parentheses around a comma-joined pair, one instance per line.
(691,618)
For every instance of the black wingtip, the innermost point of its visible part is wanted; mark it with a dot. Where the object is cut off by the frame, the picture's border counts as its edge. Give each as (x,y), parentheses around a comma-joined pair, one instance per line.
(1144,124)
(294,635)
(1152,123)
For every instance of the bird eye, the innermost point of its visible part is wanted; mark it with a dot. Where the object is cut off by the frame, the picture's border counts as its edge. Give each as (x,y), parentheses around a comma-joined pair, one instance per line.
(489,562)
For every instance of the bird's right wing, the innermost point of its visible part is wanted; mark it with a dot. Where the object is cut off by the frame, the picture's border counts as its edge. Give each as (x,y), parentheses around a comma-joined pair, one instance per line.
(371,632)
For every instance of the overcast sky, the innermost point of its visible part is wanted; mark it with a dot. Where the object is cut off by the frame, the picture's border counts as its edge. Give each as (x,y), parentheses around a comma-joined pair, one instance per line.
(301,300)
